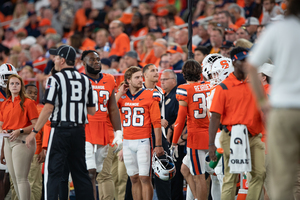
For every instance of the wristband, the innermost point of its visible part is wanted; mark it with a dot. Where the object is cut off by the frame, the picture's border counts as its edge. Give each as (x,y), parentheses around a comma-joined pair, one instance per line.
(35,131)
(182,138)
(211,144)
(158,145)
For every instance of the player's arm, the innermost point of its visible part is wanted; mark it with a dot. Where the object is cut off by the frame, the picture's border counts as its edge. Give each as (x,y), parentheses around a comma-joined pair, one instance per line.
(156,122)
(45,114)
(180,121)
(113,112)
(122,90)
(214,124)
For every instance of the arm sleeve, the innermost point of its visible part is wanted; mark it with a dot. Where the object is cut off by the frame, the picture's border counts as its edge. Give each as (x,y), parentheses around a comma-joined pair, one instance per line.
(51,91)
(155,114)
(179,124)
(181,94)
(91,101)
(218,101)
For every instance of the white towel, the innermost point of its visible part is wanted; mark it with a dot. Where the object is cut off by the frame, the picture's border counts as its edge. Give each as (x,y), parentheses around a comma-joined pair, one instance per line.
(240,155)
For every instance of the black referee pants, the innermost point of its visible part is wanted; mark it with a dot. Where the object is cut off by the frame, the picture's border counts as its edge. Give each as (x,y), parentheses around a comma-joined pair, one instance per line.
(67,145)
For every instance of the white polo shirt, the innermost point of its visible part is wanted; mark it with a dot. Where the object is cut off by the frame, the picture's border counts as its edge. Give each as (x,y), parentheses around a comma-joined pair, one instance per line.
(281,43)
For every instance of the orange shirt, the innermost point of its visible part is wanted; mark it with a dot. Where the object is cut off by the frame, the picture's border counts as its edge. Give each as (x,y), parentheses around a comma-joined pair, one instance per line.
(240,22)
(39,135)
(237,105)
(47,129)
(178,20)
(12,115)
(80,19)
(150,58)
(140,32)
(195,94)
(102,90)
(138,112)
(120,46)
(39,65)
(213,50)
(267,89)
(88,44)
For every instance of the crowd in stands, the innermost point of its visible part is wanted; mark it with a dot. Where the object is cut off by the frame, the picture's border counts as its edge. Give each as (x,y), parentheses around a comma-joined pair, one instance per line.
(127,33)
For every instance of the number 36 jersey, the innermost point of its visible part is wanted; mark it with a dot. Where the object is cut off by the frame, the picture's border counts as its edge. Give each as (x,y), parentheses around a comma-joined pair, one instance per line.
(138,112)
(96,130)
(195,94)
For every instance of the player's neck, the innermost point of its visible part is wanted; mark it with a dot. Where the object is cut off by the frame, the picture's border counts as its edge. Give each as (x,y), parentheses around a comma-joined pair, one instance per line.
(93,76)
(150,84)
(191,82)
(134,90)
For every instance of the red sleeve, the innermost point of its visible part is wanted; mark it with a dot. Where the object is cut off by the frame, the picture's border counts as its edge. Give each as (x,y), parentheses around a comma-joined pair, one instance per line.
(155,114)
(218,102)
(179,124)
(181,94)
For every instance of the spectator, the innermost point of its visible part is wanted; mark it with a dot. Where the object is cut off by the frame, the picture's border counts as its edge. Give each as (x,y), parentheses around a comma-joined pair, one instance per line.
(216,39)
(260,29)
(175,59)
(242,33)
(114,62)
(55,23)
(87,42)
(204,35)
(226,48)
(230,34)
(209,10)
(196,39)
(182,38)
(252,8)
(144,8)
(265,73)
(27,42)
(131,59)
(27,73)
(138,28)
(82,16)
(200,53)
(199,9)
(235,10)
(106,66)
(236,123)
(160,47)
(38,60)
(164,63)
(148,56)
(44,24)
(32,27)
(4,54)
(225,20)
(101,38)
(20,13)
(251,25)
(152,22)
(121,43)
(10,39)
(158,33)
(24,58)
(270,10)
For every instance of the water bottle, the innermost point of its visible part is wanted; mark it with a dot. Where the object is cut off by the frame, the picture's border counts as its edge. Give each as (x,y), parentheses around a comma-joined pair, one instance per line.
(219,153)
(106,48)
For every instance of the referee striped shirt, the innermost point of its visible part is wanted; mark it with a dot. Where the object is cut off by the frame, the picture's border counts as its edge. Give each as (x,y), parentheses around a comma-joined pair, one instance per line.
(71,93)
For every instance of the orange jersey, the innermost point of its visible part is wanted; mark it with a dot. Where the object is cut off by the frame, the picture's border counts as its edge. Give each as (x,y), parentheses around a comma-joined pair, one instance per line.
(195,94)
(39,135)
(102,89)
(138,112)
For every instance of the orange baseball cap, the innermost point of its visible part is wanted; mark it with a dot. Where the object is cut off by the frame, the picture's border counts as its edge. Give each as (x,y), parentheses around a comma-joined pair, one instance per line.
(126,18)
(175,49)
(50,31)
(162,12)
(45,22)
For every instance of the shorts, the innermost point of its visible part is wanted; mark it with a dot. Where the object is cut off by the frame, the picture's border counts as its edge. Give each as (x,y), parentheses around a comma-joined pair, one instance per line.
(196,161)
(137,156)
(95,155)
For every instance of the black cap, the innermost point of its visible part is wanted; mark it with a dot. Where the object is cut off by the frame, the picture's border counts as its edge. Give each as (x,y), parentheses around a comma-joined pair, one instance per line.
(65,51)
(106,61)
(227,44)
(132,54)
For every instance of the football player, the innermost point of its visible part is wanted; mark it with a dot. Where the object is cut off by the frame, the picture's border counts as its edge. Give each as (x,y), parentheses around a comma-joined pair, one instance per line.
(96,131)
(192,103)
(139,110)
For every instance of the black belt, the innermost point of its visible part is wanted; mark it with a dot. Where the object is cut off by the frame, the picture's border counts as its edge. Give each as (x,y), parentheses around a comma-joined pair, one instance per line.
(66,124)
(223,127)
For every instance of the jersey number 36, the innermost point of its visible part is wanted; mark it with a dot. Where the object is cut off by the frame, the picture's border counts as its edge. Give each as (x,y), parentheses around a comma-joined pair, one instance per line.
(133,116)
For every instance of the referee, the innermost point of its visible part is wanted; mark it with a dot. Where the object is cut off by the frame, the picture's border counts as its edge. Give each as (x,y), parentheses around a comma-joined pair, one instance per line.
(68,99)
